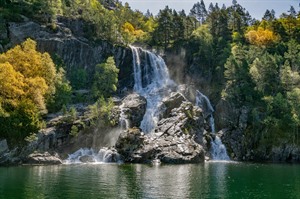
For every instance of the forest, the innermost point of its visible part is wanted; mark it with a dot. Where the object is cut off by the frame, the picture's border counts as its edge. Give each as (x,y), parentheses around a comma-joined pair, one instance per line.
(253,62)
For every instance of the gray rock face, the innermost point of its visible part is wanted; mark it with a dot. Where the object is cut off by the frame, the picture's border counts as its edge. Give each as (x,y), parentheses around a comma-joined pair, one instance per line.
(3,146)
(174,141)
(134,107)
(1,49)
(43,158)
(75,50)
(129,141)
(233,140)
(174,101)
(285,153)
(225,115)
(233,123)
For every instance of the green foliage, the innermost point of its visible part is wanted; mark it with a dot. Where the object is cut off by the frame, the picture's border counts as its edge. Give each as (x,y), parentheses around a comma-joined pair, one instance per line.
(63,92)
(105,79)
(78,78)
(74,131)
(102,110)
(73,113)
(31,138)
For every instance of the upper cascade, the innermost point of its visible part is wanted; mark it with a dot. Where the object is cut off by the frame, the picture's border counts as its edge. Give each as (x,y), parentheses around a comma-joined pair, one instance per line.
(152,81)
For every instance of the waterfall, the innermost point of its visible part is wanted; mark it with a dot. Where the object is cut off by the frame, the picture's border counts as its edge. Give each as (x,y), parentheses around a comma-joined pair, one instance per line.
(203,102)
(85,155)
(218,149)
(152,81)
(123,120)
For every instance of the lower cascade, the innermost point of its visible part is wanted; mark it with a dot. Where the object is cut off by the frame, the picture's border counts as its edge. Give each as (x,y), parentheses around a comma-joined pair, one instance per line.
(85,155)
(218,149)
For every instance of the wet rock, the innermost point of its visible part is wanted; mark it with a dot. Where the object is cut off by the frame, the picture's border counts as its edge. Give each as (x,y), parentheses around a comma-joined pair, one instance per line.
(233,139)
(87,158)
(174,141)
(134,107)
(43,158)
(173,101)
(129,141)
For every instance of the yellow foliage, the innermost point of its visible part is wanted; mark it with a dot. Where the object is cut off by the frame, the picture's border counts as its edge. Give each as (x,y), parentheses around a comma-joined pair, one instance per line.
(128,27)
(11,84)
(26,74)
(131,34)
(261,37)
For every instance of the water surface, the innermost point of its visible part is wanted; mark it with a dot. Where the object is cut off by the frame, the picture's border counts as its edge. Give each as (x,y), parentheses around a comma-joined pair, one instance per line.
(209,180)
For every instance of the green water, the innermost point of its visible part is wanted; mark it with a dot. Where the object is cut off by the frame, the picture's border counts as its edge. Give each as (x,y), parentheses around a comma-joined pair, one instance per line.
(209,180)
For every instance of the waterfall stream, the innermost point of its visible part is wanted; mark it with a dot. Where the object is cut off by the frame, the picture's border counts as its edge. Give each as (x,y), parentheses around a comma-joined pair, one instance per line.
(152,81)
(218,149)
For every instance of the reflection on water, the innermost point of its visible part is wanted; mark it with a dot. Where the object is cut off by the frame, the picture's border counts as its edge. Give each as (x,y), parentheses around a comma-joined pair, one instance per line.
(209,180)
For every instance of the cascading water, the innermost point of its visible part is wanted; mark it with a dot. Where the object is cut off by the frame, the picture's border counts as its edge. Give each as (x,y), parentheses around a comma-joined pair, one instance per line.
(85,155)
(218,150)
(124,123)
(203,102)
(152,81)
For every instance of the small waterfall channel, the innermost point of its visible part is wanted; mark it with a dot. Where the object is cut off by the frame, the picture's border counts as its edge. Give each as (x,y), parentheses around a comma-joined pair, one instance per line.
(218,149)
(152,81)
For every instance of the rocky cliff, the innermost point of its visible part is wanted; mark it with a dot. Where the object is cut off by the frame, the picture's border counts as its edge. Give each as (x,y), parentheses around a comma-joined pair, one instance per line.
(68,41)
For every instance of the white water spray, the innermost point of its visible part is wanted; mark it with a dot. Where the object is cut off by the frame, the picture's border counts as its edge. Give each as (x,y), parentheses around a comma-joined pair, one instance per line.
(85,155)
(152,81)
(123,120)
(218,149)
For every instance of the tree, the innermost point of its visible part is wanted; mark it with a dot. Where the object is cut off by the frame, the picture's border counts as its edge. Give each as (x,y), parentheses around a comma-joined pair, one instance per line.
(163,33)
(293,55)
(27,80)
(199,12)
(261,37)
(264,72)
(37,69)
(105,79)
(239,85)
(269,15)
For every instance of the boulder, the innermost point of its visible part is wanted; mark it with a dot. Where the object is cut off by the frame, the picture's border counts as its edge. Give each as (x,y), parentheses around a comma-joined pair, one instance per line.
(173,101)
(43,158)
(134,108)
(128,142)
(174,141)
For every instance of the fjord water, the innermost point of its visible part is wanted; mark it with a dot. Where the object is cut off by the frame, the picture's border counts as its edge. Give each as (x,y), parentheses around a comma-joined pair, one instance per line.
(208,180)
